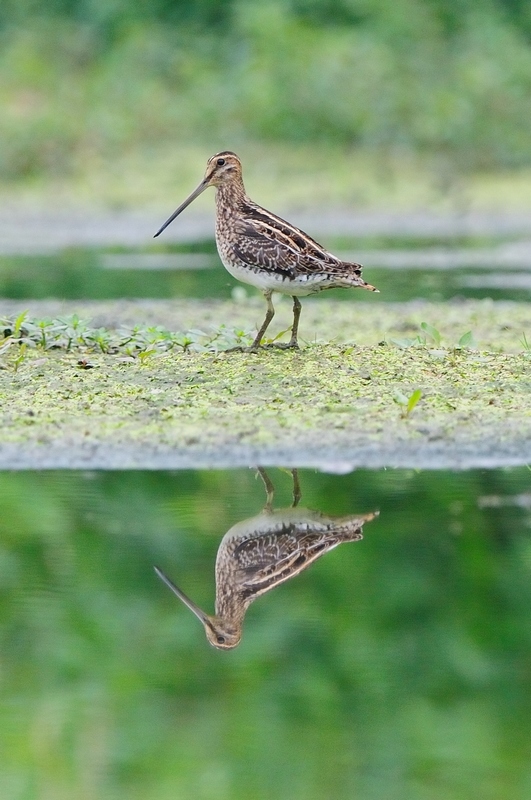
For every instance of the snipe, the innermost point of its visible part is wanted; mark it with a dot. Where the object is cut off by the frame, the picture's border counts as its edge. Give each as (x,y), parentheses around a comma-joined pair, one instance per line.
(260,553)
(259,248)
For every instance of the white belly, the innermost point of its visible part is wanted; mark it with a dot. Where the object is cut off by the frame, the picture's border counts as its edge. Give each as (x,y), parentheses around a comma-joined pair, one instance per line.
(265,281)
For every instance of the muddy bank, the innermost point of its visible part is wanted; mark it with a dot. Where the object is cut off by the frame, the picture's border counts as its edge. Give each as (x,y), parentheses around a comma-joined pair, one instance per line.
(334,407)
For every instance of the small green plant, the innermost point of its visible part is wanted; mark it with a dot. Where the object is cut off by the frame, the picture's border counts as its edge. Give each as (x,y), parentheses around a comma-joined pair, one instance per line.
(467,340)
(44,325)
(5,347)
(17,325)
(407,342)
(21,356)
(278,336)
(102,338)
(407,403)
(432,333)
(428,330)
(144,355)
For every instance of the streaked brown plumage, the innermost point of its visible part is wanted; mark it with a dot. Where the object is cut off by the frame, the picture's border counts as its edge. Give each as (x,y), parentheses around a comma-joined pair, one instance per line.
(260,553)
(259,248)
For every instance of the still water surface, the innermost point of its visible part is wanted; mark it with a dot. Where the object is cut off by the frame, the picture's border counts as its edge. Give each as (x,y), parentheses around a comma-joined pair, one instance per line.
(402,270)
(397,666)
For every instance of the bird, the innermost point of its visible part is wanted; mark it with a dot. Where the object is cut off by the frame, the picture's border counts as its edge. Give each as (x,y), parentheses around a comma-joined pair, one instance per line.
(260,553)
(261,249)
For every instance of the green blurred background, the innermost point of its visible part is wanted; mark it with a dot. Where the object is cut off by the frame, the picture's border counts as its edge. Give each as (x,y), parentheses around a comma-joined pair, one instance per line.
(109,96)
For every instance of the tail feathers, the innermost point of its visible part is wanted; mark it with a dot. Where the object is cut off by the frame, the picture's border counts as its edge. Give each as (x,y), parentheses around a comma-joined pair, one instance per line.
(349,529)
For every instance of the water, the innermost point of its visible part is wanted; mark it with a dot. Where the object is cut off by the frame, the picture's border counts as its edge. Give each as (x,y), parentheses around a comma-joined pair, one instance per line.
(403,270)
(395,667)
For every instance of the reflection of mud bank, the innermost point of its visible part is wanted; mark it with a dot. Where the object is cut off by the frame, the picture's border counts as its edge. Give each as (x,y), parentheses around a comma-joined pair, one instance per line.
(37,231)
(340,457)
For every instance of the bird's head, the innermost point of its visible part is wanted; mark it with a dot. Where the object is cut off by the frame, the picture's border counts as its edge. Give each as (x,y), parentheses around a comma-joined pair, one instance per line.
(222,168)
(220,633)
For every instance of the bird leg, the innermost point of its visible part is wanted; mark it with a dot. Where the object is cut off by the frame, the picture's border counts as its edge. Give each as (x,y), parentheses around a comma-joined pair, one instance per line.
(297,494)
(295,327)
(270,489)
(293,343)
(270,313)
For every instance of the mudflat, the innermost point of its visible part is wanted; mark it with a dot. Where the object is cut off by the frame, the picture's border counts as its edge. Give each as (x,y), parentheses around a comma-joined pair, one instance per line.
(380,391)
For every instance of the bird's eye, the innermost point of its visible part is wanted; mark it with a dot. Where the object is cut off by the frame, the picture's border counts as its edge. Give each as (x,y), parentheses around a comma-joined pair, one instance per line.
(220,639)
(220,162)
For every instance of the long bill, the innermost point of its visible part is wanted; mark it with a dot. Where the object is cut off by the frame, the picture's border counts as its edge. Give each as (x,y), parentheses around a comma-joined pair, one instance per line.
(200,189)
(199,613)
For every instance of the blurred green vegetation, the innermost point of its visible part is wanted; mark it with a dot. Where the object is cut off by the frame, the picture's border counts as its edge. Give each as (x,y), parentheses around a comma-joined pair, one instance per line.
(394,668)
(85,81)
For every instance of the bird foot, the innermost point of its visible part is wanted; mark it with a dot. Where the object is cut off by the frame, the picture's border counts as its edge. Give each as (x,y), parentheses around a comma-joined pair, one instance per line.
(291,345)
(241,349)
(254,347)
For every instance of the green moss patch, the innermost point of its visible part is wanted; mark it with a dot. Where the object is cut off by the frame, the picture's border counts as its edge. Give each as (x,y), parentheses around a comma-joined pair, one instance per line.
(329,405)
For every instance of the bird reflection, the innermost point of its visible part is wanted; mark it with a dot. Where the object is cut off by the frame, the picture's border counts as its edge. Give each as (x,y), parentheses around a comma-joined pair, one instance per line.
(260,553)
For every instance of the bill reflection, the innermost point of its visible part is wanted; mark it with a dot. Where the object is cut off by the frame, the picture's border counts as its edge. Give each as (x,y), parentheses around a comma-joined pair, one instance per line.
(260,553)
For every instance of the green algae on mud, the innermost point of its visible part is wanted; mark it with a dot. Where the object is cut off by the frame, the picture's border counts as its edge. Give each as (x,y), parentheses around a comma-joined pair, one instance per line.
(330,406)
(500,326)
